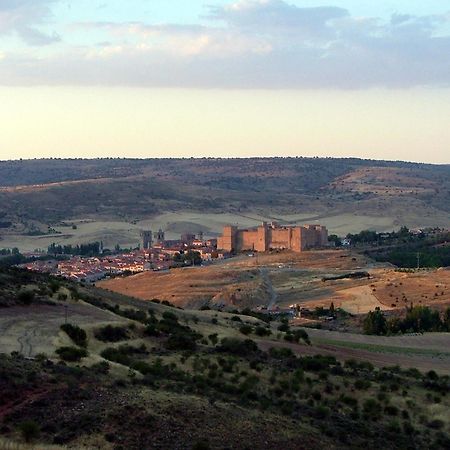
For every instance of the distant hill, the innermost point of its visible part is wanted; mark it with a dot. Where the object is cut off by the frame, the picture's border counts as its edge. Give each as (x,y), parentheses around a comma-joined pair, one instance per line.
(51,190)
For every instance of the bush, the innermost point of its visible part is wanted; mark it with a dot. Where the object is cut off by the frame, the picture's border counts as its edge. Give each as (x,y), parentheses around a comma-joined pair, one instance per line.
(372,408)
(237,346)
(71,354)
(29,430)
(116,355)
(77,334)
(111,334)
(246,329)
(213,338)
(101,367)
(262,331)
(181,341)
(25,297)
(281,353)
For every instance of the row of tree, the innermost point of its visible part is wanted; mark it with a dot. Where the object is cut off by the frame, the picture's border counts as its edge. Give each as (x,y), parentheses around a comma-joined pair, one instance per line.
(91,249)
(418,319)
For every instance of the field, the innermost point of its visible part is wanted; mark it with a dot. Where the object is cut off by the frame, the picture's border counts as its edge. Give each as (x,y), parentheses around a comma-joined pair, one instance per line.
(36,329)
(127,234)
(111,200)
(278,279)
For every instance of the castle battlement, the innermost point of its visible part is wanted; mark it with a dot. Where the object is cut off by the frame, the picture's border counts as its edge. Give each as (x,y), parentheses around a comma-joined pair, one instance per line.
(273,236)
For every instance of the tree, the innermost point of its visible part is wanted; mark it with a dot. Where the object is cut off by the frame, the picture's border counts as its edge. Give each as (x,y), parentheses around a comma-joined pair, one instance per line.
(332,310)
(375,323)
(30,430)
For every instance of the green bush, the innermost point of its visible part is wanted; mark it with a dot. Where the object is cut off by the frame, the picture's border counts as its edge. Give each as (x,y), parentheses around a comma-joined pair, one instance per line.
(29,430)
(246,329)
(237,346)
(25,297)
(181,341)
(281,353)
(71,354)
(110,333)
(262,331)
(77,334)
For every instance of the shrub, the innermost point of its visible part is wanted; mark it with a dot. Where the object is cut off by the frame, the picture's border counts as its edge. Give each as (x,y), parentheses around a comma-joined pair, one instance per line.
(101,367)
(71,354)
(322,412)
(151,330)
(237,346)
(25,297)
(283,327)
(391,410)
(77,334)
(110,333)
(181,341)
(246,329)
(281,353)
(372,408)
(116,355)
(170,316)
(362,384)
(436,424)
(262,331)
(213,338)
(303,335)
(29,430)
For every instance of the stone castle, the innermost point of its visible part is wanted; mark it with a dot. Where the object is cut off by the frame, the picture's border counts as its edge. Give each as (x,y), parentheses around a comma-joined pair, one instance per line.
(273,236)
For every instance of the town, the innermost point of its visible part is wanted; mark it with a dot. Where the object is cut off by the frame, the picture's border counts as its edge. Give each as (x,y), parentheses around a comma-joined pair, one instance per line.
(157,253)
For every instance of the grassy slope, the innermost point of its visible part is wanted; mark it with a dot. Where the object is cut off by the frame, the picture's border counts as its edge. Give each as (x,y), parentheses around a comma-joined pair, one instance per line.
(251,399)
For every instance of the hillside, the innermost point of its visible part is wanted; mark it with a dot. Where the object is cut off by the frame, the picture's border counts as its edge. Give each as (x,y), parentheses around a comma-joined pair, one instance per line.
(380,194)
(123,373)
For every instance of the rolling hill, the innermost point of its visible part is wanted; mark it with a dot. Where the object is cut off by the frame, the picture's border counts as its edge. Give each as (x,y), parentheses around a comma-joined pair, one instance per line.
(346,194)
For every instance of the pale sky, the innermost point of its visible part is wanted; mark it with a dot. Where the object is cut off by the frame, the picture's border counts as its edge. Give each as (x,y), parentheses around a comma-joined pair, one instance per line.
(172,78)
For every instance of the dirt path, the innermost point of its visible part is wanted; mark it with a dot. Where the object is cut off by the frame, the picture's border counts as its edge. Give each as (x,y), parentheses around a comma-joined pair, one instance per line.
(271,291)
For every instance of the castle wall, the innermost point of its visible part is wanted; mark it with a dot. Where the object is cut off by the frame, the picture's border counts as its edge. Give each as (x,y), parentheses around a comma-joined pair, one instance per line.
(248,240)
(265,237)
(280,238)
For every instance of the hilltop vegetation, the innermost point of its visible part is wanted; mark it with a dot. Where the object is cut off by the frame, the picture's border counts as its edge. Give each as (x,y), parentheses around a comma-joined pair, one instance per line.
(133,189)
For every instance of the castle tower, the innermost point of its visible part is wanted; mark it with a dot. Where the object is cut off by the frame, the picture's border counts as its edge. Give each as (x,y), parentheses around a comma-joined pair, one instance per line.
(262,243)
(147,239)
(227,241)
(160,236)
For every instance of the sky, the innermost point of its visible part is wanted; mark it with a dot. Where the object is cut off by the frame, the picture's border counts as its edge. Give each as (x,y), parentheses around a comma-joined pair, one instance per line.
(232,78)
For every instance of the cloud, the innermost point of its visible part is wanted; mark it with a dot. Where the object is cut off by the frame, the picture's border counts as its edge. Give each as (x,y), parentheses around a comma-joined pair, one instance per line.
(265,44)
(21,17)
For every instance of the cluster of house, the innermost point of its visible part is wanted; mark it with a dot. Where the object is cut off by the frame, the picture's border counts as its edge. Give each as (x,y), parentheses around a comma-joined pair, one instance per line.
(90,269)
(159,255)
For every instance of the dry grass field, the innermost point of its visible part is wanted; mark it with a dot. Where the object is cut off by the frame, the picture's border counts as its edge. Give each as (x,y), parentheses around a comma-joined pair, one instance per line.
(427,288)
(127,233)
(36,329)
(264,280)
(286,278)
